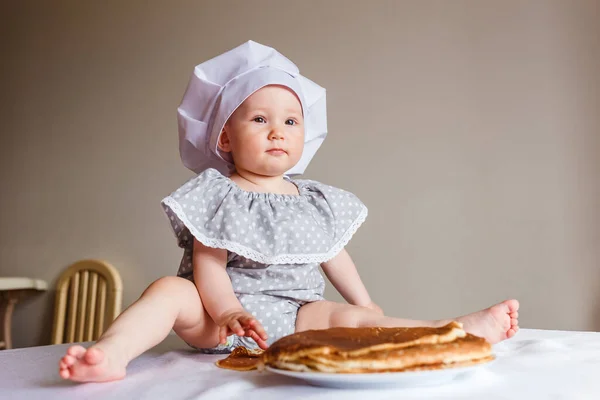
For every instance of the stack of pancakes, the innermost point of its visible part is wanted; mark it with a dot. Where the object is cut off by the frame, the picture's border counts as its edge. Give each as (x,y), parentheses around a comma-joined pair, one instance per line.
(368,350)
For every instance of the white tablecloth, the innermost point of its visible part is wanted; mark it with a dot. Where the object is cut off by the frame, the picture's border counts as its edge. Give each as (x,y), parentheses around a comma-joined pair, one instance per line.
(535,364)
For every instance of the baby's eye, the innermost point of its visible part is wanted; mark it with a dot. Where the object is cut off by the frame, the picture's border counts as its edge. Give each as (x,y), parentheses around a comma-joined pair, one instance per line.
(260,120)
(290,122)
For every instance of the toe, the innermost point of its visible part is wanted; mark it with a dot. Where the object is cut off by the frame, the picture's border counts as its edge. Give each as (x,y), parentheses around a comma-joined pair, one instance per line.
(69,360)
(512,304)
(514,322)
(64,373)
(510,333)
(76,351)
(94,356)
(514,314)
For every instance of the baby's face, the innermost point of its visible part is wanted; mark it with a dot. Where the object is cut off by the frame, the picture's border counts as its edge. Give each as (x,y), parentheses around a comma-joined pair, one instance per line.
(265,134)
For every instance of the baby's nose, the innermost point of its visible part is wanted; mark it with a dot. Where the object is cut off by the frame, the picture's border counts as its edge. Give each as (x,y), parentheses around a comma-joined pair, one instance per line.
(275,133)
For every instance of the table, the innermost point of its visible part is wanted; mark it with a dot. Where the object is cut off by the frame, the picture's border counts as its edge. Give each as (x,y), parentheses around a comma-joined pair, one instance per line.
(12,289)
(535,364)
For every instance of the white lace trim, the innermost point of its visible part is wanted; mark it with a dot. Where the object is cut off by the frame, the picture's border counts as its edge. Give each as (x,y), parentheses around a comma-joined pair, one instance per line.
(257,256)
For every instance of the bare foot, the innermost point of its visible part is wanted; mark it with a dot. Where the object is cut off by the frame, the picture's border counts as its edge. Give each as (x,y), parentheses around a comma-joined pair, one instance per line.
(496,323)
(91,365)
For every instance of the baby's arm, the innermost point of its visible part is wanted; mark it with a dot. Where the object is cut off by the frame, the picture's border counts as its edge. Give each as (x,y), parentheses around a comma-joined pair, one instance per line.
(218,297)
(342,273)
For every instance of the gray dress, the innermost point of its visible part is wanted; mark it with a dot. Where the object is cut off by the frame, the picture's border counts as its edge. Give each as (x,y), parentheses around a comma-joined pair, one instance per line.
(275,242)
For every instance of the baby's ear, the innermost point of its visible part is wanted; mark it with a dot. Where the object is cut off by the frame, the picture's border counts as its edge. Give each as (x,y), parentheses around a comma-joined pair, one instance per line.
(223,143)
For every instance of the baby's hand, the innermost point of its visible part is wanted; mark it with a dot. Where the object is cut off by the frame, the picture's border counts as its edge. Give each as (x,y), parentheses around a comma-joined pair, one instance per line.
(241,323)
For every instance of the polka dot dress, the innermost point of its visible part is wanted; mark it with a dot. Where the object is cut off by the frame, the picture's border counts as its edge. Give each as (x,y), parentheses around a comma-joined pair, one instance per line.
(275,242)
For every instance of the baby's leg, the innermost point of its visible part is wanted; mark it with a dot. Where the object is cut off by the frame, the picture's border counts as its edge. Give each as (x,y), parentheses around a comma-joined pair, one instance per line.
(496,323)
(169,302)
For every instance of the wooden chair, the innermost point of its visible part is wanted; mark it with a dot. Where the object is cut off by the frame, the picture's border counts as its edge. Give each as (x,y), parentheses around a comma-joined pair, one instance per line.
(88,298)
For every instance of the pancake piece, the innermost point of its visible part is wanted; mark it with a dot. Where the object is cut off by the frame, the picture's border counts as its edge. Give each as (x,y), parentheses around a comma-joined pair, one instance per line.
(241,359)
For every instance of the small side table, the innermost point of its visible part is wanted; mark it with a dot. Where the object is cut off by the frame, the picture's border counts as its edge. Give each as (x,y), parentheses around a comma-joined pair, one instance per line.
(11,291)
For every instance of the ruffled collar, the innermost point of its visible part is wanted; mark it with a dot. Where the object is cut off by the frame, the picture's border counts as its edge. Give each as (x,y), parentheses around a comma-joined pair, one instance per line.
(270,228)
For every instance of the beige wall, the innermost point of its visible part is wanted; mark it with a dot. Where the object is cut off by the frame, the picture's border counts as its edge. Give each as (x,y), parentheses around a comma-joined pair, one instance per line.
(469,128)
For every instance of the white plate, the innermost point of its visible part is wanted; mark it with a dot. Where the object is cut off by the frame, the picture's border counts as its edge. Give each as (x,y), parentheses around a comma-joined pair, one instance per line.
(383,379)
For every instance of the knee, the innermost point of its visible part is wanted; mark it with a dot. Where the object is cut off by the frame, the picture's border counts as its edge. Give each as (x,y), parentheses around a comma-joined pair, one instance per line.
(170,285)
(351,316)
(344,318)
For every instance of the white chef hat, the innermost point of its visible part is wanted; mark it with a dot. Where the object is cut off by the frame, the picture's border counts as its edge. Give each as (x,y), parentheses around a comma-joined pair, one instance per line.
(218,86)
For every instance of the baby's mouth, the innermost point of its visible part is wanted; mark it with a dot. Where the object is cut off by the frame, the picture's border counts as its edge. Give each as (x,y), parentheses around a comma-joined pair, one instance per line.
(276,152)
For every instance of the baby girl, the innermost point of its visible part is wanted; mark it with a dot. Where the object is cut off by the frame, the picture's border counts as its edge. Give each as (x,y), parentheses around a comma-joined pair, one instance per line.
(253,237)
